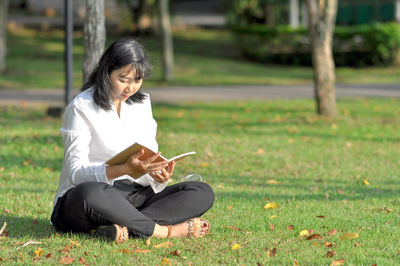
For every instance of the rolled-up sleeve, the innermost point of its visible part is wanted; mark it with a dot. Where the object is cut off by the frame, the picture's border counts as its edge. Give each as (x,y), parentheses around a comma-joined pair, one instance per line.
(76,133)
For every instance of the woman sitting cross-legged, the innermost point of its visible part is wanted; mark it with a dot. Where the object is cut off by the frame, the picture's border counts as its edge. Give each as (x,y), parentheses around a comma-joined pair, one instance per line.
(109,115)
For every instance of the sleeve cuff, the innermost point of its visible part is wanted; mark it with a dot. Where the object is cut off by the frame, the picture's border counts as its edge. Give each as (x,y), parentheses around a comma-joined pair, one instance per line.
(102,177)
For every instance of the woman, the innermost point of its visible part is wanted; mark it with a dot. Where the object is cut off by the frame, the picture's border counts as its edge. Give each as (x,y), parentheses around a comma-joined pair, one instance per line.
(106,117)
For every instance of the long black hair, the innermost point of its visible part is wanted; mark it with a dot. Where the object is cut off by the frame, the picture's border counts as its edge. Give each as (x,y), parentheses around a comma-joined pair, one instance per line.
(121,53)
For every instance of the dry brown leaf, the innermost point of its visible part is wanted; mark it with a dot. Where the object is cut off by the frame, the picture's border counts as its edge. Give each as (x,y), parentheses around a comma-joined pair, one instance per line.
(272,182)
(83,261)
(5,211)
(176,253)
(272,227)
(330,254)
(166,244)
(35,221)
(290,227)
(321,216)
(296,263)
(66,260)
(124,250)
(388,210)
(229,208)
(144,251)
(66,250)
(337,262)
(74,243)
(357,245)
(341,192)
(314,236)
(260,151)
(328,244)
(332,232)
(271,253)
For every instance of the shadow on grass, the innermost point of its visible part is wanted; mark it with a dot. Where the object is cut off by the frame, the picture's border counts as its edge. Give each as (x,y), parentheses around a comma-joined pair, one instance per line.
(18,226)
(306,190)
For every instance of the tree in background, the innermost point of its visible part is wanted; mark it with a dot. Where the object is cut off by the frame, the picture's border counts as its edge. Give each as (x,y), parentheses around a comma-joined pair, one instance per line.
(167,43)
(322,16)
(3,32)
(95,35)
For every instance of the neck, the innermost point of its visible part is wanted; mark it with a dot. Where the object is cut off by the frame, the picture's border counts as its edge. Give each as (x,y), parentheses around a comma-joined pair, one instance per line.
(117,106)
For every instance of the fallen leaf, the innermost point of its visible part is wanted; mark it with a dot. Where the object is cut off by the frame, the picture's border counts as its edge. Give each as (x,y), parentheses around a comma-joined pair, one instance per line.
(306,232)
(272,182)
(296,263)
(124,250)
(83,261)
(176,253)
(271,253)
(273,216)
(337,262)
(66,260)
(48,256)
(229,207)
(144,251)
(357,245)
(38,252)
(314,236)
(290,227)
(35,221)
(321,216)
(365,181)
(66,250)
(272,205)
(327,195)
(330,254)
(328,244)
(348,236)
(388,210)
(272,227)
(5,211)
(341,192)
(236,247)
(332,232)
(74,243)
(166,244)
(204,165)
(235,228)
(260,151)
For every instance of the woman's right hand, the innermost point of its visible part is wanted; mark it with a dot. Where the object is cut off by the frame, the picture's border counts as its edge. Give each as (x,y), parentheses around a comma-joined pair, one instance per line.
(136,167)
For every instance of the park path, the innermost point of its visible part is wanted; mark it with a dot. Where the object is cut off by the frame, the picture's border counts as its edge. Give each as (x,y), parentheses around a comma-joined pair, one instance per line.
(55,97)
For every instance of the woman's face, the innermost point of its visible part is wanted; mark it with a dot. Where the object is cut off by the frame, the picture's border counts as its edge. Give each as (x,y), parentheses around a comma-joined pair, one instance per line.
(124,83)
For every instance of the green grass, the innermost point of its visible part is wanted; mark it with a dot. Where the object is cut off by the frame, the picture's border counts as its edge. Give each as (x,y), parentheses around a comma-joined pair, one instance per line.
(202,57)
(319,164)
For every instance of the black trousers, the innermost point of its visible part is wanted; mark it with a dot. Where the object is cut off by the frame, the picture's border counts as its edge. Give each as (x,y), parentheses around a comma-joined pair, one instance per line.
(91,204)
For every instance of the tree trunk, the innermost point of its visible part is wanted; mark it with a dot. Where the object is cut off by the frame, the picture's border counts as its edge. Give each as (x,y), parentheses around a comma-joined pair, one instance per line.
(95,35)
(3,33)
(321,25)
(167,45)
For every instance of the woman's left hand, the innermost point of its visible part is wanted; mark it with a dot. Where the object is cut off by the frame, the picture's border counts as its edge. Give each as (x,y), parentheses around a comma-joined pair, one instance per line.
(163,175)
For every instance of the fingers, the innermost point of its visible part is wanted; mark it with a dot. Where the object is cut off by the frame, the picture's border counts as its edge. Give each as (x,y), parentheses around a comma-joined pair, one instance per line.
(138,154)
(152,158)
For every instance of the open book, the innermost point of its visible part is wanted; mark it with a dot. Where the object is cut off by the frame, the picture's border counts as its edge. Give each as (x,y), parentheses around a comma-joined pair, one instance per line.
(134,148)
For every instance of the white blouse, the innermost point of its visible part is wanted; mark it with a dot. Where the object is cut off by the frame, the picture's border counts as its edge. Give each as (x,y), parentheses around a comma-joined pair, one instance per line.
(92,136)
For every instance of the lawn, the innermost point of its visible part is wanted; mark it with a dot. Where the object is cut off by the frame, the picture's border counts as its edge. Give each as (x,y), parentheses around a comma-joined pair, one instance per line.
(202,57)
(332,176)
